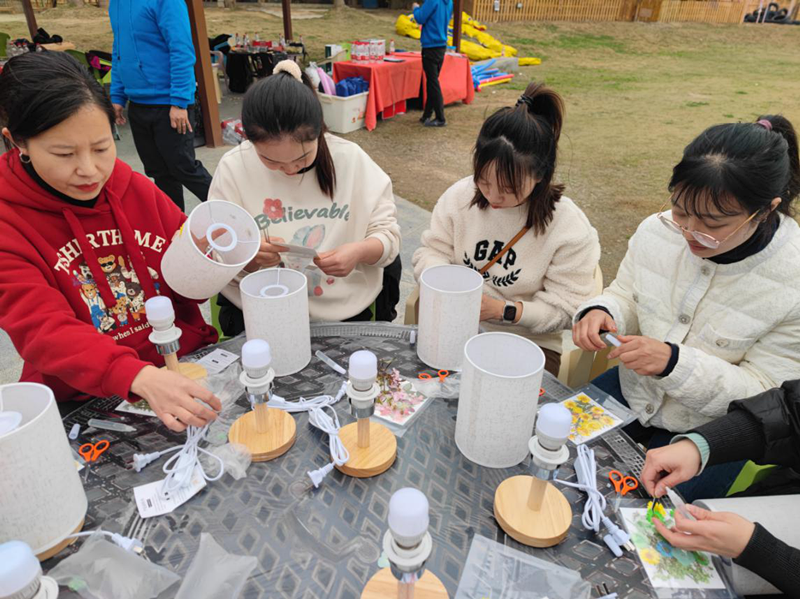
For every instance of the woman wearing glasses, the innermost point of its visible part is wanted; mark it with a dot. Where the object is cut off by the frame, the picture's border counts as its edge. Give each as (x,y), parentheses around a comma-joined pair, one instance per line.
(706,303)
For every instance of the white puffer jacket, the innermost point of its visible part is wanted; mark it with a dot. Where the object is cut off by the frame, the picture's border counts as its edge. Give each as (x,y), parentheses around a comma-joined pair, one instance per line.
(737,325)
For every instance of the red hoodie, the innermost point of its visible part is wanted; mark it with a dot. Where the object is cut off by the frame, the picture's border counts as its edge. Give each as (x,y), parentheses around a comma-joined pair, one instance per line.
(73,281)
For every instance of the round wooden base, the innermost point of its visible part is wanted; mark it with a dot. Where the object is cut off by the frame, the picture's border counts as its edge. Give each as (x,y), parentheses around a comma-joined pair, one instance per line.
(45,555)
(190,370)
(281,432)
(384,585)
(544,528)
(368,461)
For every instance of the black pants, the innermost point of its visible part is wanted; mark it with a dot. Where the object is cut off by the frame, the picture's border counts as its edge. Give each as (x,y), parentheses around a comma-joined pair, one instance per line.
(432,61)
(231,318)
(168,156)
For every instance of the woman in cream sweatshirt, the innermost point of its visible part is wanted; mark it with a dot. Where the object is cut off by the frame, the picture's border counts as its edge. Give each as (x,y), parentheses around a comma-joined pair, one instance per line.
(706,302)
(535,287)
(306,187)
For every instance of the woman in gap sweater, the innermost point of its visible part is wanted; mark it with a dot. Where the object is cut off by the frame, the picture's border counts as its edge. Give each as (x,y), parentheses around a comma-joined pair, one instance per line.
(536,286)
(305,187)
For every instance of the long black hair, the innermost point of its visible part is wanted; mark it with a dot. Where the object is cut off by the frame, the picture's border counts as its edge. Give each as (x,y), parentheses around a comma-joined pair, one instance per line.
(281,105)
(522,142)
(739,166)
(40,90)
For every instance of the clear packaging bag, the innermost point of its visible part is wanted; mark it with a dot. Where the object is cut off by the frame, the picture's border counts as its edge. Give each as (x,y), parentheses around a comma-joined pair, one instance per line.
(102,570)
(494,570)
(235,457)
(215,573)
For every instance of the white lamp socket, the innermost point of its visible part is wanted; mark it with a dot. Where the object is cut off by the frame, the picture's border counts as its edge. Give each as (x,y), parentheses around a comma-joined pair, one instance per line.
(408,516)
(363,370)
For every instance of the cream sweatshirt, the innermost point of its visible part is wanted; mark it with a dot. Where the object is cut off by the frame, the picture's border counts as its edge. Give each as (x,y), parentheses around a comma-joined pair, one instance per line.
(551,274)
(298,212)
(737,325)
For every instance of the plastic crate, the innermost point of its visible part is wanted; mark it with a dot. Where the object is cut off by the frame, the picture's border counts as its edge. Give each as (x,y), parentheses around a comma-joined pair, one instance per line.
(344,115)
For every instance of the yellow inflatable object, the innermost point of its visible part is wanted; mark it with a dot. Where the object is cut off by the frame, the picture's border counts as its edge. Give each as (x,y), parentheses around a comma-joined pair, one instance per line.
(483,47)
(498,82)
(526,62)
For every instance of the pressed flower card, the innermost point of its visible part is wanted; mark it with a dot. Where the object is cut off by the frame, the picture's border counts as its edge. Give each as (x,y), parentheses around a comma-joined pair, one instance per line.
(666,566)
(397,402)
(589,418)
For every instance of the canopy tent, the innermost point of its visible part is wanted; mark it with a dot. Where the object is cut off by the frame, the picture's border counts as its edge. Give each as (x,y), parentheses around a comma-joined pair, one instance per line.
(202,66)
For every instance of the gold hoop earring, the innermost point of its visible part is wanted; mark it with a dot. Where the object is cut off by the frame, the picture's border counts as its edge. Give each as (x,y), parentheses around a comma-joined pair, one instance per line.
(24,158)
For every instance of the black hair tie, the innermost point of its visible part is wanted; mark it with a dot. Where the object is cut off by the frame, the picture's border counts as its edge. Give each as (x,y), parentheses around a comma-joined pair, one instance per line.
(523,99)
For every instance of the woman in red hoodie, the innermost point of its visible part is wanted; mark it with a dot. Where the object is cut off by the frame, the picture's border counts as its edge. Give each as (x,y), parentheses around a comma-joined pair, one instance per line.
(81,241)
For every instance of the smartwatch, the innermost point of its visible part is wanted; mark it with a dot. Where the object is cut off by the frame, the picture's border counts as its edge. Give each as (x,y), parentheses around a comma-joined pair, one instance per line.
(509,312)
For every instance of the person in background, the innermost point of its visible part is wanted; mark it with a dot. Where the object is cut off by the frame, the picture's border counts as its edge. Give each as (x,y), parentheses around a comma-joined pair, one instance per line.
(537,284)
(705,304)
(434,17)
(153,72)
(765,429)
(81,242)
(316,190)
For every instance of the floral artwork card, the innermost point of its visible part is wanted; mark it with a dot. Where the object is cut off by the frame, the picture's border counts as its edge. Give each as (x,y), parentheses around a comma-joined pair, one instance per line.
(398,401)
(666,566)
(589,418)
(141,407)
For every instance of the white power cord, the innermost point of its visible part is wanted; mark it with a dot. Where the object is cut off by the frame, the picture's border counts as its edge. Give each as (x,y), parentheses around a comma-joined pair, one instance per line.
(306,405)
(127,543)
(180,467)
(593,516)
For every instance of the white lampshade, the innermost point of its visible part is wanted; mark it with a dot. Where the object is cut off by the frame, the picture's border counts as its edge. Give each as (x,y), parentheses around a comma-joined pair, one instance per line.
(199,275)
(497,402)
(41,494)
(449,314)
(280,320)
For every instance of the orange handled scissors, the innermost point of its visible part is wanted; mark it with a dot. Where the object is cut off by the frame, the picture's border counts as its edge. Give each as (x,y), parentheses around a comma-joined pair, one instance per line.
(622,483)
(443,374)
(90,452)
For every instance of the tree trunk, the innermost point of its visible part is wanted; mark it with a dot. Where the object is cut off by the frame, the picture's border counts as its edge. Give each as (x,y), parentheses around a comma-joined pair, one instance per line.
(230,3)
(338,4)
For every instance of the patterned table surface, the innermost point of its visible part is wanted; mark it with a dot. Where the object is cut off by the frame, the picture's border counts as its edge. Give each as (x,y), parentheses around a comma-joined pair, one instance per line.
(326,542)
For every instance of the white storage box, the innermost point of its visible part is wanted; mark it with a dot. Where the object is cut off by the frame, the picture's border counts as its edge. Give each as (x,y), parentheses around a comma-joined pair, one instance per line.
(344,115)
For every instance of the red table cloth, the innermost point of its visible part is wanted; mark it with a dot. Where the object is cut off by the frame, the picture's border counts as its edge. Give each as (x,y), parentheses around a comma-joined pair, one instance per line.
(391,83)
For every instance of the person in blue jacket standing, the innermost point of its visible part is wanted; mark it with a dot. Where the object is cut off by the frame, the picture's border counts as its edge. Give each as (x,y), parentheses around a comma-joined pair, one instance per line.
(153,72)
(434,16)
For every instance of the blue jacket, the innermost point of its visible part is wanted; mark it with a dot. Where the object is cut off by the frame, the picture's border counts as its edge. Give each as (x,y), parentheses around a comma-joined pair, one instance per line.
(153,56)
(434,16)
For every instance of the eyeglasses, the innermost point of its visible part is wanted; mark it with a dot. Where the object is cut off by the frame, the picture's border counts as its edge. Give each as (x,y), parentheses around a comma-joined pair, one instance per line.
(702,238)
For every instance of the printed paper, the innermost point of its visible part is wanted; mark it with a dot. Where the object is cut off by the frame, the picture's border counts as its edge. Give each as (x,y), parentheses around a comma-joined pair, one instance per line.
(589,418)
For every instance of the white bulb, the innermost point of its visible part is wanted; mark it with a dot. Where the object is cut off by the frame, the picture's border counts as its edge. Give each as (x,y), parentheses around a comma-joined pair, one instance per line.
(553,424)
(256,356)
(18,568)
(160,313)
(408,514)
(363,369)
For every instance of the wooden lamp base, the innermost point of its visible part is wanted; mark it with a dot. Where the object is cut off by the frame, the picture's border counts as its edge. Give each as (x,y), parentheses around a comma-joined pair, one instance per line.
(190,370)
(544,527)
(384,585)
(280,432)
(368,461)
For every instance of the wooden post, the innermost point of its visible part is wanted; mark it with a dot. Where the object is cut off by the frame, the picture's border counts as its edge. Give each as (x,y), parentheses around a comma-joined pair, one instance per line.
(405,590)
(457,24)
(287,19)
(30,17)
(204,74)
(536,495)
(363,432)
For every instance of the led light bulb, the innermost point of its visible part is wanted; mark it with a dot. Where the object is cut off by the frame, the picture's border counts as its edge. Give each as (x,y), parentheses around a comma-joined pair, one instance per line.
(20,571)
(160,313)
(408,516)
(363,370)
(256,358)
(553,424)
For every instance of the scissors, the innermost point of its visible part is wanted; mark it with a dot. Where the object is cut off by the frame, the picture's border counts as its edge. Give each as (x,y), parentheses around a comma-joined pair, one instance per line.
(443,374)
(622,484)
(91,451)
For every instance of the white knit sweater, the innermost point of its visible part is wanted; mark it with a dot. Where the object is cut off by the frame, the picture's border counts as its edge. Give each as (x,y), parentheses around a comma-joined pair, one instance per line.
(737,325)
(550,274)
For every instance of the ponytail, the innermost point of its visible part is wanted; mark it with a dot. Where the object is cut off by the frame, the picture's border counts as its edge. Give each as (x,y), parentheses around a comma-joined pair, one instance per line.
(522,142)
(286,103)
(781,125)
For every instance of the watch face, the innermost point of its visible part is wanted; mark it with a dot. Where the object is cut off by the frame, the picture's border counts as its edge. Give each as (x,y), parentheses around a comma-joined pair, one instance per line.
(509,313)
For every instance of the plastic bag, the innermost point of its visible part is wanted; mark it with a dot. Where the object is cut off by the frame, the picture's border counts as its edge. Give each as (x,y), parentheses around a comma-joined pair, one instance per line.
(228,388)
(233,132)
(215,573)
(235,457)
(494,570)
(101,569)
(433,387)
